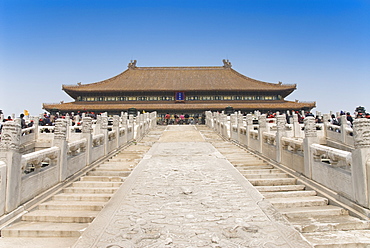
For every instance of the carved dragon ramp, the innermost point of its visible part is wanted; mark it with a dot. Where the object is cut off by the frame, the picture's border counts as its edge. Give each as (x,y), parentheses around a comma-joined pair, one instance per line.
(184,193)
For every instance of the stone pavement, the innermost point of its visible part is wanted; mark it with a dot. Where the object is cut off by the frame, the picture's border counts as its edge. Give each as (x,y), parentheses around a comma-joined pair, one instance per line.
(184,193)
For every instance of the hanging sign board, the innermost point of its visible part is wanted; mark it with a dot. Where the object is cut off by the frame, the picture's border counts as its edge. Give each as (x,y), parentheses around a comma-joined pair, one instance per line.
(180,96)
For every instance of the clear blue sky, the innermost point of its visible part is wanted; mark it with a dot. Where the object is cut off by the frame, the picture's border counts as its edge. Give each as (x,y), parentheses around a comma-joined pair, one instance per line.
(321,45)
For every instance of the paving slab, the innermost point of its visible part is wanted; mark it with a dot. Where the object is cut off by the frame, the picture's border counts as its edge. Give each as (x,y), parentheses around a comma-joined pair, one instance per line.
(184,193)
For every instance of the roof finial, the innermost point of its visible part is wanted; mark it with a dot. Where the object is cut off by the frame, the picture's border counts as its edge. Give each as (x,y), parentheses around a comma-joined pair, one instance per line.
(227,64)
(132,64)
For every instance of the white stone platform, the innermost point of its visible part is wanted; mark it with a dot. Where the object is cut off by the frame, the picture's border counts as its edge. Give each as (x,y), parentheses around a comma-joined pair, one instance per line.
(184,193)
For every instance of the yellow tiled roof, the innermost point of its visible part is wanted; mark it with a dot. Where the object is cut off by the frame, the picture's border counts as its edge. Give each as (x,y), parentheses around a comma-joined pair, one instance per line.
(178,79)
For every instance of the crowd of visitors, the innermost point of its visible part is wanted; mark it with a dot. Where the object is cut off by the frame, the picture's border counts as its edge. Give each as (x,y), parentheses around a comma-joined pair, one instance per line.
(185,119)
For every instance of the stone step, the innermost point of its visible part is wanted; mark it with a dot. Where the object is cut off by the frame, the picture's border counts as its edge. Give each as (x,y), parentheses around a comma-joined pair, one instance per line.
(119,161)
(31,242)
(82,197)
(263,176)
(102,178)
(127,159)
(43,229)
(339,239)
(60,216)
(280,188)
(241,159)
(297,193)
(109,190)
(328,210)
(72,205)
(109,173)
(95,184)
(272,181)
(293,202)
(111,167)
(248,162)
(329,223)
(259,172)
(253,167)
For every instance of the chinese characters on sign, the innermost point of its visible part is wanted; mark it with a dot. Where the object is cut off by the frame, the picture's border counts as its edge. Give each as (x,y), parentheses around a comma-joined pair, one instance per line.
(180,96)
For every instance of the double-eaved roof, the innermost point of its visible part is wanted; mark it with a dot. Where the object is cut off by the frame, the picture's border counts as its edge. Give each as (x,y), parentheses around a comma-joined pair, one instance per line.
(150,79)
(113,94)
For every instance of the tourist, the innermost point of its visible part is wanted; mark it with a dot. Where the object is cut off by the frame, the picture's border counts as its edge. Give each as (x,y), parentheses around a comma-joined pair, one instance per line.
(176,119)
(334,120)
(182,119)
(30,124)
(349,119)
(167,117)
(196,118)
(23,122)
(186,119)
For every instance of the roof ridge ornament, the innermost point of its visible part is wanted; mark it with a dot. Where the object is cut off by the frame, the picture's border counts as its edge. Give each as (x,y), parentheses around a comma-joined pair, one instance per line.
(132,64)
(227,63)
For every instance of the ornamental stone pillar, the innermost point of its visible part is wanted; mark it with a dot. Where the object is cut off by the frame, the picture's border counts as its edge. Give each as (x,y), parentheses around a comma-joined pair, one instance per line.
(116,128)
(280,125)
(35,120)
(131,127)
(343,126)
(239,125)
(69,123)
(124,126)
(262,127)
(232,124)
(87,133)
(296,127)
(249,127)
(60,140)
(361,161)
(10,153)
(98,123)
(104,130)
(310,138)
(224,126)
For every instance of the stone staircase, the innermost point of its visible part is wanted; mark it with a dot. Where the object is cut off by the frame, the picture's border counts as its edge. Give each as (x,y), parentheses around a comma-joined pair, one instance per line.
(59,221)
(321,224)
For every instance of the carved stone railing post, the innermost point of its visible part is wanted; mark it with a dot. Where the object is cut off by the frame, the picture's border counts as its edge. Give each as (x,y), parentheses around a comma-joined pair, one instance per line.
(262,127)
(326,121)
(249,127)
(309,139)
(224,125)
(116,128)
(60,140)
(296,126)
(137,125)
(98,125)
(69,123)
(343,127)
(218,122)
(132,127)
(104,130)
(232,124)
(10,153)
(87,130)
(280,125)
(124,120)
(361,161)
(146,122)
(35,120)
(239,125)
